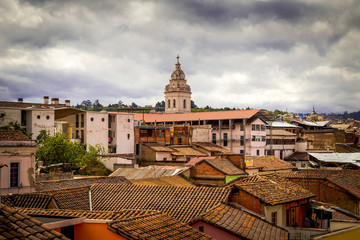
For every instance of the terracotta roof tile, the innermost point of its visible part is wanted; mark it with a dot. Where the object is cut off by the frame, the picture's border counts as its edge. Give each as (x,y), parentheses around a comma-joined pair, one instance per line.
(338,213)
(164,181)
(272,190)
(17,225)
(182,203)
(196,160)
(27,200)
(316,173)
(157,147)
(349,182)
(72,198)
(269,163)
(155,226)
(103,215)
(211,147)
(187,151)
(12,135)
(241,223)
(78,182)
(239,114)
(226,166)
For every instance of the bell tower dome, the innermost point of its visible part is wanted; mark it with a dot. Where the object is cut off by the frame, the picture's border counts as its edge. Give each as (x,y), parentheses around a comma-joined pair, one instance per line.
(177,92)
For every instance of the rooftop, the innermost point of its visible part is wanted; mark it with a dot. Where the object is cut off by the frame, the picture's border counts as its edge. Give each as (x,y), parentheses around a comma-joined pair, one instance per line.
(78,182)
(195,116)
(17,225)
(241,223)
(164,181)
(12,135)
(271,189)
(279,132)
(269,163)
(157,147)
(148,172)
(182,203)
(353,158)
(155,226)
(278,124)
(24,105)
(186,151)
(222,164)
(211,147)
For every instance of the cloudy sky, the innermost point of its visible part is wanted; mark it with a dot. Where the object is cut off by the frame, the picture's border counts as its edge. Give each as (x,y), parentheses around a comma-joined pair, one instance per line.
(262,54)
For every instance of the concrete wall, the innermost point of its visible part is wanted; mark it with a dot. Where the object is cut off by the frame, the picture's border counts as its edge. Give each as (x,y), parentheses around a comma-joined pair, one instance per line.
(253,146)
(10,115)
(41,120)
(96,129)
(201,133)
(124,138)
(214,232)
(179,97)
(25,156)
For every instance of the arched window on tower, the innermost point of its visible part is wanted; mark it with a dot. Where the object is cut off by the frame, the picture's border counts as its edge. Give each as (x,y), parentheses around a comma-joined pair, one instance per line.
(184,103)
(169,105)
(174,103)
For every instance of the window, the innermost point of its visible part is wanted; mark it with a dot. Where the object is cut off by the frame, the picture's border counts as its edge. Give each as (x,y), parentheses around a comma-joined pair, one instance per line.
(92,119)
(201,228)
(164,159)
(82,120)
(225,139)
(242,140)
(253,127)
(14,174)
(82,136)
(263,139)
(103,119)
(174,103)
(257,127)
(293,217)
(258,152)
(128,136)
(274,218)
(241,151)
(77,120)
(38,116)
(47,117)
(23,118)
(77,134)
(241,127)
(184,103)
(263,128)
(214,138)
(169,103)
(128,120)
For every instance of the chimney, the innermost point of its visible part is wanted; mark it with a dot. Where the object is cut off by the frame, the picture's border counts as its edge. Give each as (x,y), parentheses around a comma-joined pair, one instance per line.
(67,103)
(54,101)
(20,100)
(46,99)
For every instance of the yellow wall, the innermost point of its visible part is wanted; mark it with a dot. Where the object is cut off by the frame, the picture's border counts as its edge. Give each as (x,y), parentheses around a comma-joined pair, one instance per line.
(94,231)
(349,235)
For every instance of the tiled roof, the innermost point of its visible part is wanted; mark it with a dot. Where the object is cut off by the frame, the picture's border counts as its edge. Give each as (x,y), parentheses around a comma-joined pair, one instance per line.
(337,213)
(269,163)
(16,225)
(182,203)
(78,182)
(155,226)
(12,135)
(316,173)
(30,105)
(148,172)
(273,190)
(279,132)
(187,151)
(241,223)
(157,147)
(212,147)
(349,182)
(27,200)
(103,215)
(196,160)
(195,116)
(164,181)
(349,147)
(298,156)
(72,198)
(225,165)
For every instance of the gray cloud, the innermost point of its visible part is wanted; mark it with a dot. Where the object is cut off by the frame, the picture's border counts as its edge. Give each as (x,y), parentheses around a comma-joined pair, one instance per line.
(264,54)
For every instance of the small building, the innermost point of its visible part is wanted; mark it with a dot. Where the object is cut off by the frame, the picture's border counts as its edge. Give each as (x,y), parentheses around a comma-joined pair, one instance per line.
(214,171)
(280,143)
(17,153)
(236,222)
(279,200)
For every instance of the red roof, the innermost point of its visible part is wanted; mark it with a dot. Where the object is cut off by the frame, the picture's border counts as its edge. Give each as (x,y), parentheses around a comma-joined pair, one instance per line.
(195,160)
(195,116)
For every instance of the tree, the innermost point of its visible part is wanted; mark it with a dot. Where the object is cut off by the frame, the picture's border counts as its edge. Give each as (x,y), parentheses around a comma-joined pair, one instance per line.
(134,105)
(60,149)
(97,105)
(86,104)
(193,105)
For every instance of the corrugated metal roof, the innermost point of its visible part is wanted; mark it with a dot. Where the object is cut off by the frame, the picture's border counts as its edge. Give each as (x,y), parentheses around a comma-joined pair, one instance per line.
(353,158)
(148,172)
(279,132)
(281,124)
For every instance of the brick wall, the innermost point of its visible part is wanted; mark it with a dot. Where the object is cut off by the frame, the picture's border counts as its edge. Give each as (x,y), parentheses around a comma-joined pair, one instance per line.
(247,201)
(328,192)
(207,170)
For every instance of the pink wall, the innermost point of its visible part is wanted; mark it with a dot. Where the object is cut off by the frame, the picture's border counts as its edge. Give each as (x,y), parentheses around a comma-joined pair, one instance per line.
(213,231)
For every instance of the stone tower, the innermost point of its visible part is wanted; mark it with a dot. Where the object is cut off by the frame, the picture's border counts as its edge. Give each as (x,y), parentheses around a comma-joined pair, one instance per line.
(177,92)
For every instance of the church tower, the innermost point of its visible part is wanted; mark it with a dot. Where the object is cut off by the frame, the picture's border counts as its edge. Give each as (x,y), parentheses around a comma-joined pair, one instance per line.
(177,92)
